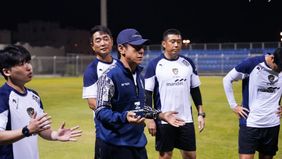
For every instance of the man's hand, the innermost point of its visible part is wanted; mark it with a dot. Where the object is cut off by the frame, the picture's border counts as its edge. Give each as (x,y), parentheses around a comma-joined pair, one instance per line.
(39,124)
(201,123)
(152,128)
(279,112)
(132,118)
(171,118)
(241,111)
(66,134)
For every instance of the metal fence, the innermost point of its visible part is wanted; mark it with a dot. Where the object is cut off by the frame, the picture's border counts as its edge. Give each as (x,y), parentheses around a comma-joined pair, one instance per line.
(75,65)
(226,46)
(210,59)
(60,65)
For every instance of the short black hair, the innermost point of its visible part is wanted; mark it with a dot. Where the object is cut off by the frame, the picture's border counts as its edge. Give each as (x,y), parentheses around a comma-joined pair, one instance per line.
(99,28)
(171,31)
(278,58)
(13,55)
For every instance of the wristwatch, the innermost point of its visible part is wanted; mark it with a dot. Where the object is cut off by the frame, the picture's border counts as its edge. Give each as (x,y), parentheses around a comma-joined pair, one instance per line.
(203,114)
(25,131)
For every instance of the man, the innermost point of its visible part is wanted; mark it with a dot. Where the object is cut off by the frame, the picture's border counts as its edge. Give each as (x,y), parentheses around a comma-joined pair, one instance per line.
(120,102)
(171,78)
(259,112)
(101,42)
(21,112)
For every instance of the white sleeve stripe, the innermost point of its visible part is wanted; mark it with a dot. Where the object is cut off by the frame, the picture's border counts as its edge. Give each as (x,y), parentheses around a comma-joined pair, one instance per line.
(150,83)
(194,86)
(233,75)
(90,91)
(87,97)
(195,81)
(3,120)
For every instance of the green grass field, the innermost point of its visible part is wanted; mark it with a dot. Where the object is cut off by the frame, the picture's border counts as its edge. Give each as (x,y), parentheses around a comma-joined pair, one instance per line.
(62,100)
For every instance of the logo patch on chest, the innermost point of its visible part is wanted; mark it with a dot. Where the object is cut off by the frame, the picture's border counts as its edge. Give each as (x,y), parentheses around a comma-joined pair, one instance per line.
(175,71)
(271,78)
(30,111)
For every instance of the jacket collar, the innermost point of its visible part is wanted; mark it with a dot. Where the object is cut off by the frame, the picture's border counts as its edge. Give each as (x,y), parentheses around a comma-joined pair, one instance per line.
(126,70)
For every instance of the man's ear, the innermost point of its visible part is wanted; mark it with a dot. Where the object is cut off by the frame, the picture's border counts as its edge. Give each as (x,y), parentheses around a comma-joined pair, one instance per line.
(6,72)
(92,46)
(272,58)
(163,44)
(121,49)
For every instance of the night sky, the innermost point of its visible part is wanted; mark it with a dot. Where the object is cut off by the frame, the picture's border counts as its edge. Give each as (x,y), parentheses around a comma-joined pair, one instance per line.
(199,20)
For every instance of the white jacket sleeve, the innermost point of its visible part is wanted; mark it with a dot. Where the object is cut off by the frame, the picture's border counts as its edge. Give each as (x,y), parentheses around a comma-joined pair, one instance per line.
(233,75)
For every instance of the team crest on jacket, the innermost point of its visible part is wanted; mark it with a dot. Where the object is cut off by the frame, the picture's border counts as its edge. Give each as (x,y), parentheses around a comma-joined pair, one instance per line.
(175,71)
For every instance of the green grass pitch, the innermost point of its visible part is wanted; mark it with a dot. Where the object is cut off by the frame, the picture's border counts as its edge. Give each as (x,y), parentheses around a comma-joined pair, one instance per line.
(62,100)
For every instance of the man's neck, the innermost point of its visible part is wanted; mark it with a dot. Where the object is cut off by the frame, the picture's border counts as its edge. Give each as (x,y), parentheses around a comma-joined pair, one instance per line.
(130,66)
(170,56)
(19,87)
(107,58)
